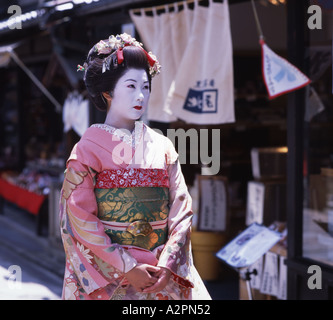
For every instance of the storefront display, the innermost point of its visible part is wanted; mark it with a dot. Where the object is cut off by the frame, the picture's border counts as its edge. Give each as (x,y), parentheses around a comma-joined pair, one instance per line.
(30,189)
(23,198)
(310,149)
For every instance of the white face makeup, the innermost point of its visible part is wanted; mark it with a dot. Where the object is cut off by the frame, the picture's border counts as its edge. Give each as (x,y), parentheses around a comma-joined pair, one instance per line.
(130,99)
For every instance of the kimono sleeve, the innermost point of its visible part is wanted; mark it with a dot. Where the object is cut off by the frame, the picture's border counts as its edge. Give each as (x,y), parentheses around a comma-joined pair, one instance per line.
(176,255)
(95,262)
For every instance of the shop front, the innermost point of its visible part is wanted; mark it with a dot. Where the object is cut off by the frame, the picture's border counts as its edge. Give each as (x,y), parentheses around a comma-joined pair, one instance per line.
(309,192)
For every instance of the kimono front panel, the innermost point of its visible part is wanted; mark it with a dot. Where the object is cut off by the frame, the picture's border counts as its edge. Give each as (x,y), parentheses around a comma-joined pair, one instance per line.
(95,266)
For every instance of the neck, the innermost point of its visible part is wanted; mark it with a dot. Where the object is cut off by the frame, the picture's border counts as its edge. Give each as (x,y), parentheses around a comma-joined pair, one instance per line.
(120,124)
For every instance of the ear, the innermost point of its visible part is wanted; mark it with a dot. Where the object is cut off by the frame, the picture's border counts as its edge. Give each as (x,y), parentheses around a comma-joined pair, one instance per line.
(107,96)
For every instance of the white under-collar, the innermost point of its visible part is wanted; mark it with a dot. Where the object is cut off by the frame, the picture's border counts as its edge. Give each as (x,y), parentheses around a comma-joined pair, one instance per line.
(130,138)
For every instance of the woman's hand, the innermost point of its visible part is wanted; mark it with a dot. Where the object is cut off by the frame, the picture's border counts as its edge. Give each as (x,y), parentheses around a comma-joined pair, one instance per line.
(142,276)
(163,277)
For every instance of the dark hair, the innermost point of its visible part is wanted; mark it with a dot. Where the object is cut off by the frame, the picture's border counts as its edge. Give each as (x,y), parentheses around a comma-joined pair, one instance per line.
(98,82)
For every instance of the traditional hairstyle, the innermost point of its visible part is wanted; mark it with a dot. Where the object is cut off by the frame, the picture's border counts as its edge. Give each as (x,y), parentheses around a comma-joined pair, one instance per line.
(108,60)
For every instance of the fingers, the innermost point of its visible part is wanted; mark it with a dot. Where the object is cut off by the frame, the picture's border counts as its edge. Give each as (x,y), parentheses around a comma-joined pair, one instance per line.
(161,282)
(148,279)
(140,277)
(163,276)
(152,268)
(145,286)
(156,287)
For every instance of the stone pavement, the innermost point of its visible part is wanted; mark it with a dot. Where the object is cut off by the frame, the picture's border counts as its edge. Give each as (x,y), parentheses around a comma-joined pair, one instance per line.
(22,280)
(27,257)
(40,266)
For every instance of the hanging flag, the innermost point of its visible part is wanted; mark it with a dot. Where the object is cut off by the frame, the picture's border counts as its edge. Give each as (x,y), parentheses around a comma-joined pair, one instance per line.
(280,76)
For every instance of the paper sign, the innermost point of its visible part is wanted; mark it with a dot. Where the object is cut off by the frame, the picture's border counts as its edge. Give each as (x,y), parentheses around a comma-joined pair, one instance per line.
(248,246)
(270,277)
(255,203)
(213,204)
(256,279)
(282,295)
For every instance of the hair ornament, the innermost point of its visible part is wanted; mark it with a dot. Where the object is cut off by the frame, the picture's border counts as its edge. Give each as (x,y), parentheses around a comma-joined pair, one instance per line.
(117,43)
(81,68)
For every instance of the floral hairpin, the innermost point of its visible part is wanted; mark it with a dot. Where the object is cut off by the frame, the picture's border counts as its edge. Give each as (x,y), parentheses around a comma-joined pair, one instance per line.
(117,43)
(81,68)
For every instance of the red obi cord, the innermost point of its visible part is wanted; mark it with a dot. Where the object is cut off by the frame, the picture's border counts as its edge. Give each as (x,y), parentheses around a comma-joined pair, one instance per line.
(128,178)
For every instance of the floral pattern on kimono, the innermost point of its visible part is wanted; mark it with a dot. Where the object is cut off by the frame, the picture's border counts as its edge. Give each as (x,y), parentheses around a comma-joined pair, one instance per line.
(95,267)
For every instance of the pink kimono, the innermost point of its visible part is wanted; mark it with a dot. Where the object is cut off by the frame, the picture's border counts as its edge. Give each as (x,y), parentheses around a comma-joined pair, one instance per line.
(124,202)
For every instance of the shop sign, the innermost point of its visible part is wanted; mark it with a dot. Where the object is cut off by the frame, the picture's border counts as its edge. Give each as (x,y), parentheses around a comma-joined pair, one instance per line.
(202,99)
(212,203)
(249,246)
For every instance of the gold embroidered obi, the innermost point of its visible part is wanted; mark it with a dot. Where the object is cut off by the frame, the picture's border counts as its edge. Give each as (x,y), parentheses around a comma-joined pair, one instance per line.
(133,215)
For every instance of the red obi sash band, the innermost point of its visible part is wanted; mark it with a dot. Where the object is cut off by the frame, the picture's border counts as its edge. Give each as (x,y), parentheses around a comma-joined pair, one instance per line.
(126,178)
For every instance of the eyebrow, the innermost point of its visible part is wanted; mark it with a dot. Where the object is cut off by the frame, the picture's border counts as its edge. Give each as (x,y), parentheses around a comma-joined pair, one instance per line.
(134,80)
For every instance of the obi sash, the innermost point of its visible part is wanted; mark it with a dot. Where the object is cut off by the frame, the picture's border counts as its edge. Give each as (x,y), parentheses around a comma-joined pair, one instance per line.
(134,208)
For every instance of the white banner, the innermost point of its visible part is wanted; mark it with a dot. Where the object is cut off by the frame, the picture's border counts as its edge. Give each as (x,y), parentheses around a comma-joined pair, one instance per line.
(195,50)
(157,34)
(280,76)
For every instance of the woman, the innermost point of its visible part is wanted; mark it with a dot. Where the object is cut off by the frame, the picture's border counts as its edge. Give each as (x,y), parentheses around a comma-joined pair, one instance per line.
(125,209)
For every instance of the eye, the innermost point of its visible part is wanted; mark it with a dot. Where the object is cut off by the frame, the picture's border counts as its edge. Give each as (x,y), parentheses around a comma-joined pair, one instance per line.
(132,86)
(146,87)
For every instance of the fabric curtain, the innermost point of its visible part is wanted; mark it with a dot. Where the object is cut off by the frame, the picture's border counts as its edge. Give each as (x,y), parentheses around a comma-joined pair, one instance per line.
(153,31)
(76,113)
(195,50)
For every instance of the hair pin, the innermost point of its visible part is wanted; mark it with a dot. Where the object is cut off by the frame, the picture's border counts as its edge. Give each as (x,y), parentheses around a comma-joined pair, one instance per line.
(80,68)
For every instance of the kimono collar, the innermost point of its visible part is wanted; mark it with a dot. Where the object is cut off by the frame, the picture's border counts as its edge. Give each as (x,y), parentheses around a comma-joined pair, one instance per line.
(124,135)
